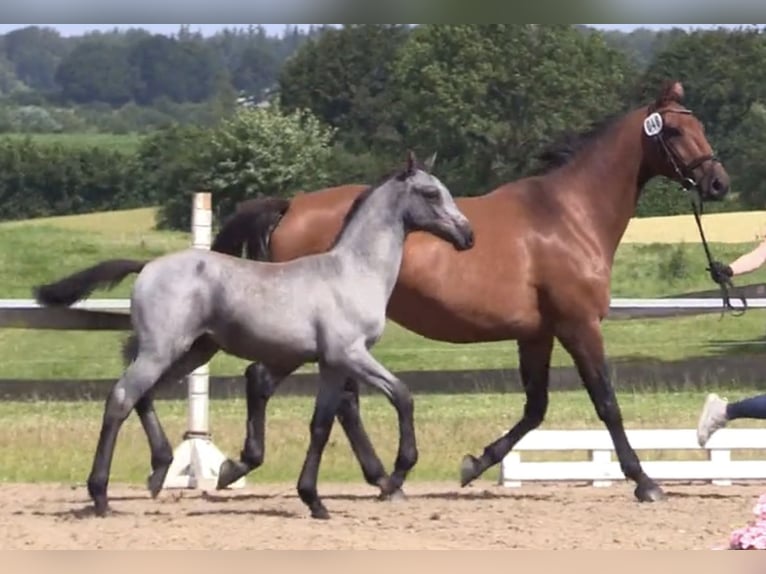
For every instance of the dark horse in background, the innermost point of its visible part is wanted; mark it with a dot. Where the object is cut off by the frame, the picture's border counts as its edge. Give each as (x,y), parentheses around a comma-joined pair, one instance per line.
(540,270)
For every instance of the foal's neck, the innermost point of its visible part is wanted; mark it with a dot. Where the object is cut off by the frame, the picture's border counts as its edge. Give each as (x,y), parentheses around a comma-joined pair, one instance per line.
(373,240)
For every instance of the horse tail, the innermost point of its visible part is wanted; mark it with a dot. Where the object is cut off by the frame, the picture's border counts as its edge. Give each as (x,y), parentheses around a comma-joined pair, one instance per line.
(130,349)
(72,288)
(251,226)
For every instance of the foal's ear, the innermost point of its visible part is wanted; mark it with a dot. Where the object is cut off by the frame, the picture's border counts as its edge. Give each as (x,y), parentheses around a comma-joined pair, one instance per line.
(672,91)
(411,163)
(429,163)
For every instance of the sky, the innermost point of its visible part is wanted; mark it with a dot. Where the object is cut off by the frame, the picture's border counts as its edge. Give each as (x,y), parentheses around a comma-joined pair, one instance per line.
(276,29)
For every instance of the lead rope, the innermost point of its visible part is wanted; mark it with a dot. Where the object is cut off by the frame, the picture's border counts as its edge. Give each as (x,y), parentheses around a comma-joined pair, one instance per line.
(725,284)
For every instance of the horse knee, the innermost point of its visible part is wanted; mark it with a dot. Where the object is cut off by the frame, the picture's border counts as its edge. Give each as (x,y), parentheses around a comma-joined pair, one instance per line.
(608,412)
(535,410)
(119,403)
(403,400)
(407,458)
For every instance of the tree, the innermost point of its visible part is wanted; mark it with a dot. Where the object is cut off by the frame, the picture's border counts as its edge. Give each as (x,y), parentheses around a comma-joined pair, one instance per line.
(97,70)
(260,151)
(343,77)
(486,97)
(35,53)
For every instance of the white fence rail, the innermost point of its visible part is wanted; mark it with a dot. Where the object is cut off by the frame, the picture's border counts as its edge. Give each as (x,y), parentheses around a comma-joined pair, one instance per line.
(617,305)
(602,468)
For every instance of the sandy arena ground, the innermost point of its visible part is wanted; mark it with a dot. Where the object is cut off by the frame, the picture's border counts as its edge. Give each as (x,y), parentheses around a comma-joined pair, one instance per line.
(435,516)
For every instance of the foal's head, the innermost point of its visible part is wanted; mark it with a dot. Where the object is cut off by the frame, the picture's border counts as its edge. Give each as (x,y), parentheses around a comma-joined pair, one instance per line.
(429,206)
(676,146)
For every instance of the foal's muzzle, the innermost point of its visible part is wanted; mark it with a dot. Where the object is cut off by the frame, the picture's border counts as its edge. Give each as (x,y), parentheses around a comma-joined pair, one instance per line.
(463,238)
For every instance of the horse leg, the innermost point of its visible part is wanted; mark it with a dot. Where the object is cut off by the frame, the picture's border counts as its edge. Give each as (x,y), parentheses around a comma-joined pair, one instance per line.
(159,445)
(534,367)
(138,379)
(361,365)
(584,342)
(326,405)
(201,351)
(261,381)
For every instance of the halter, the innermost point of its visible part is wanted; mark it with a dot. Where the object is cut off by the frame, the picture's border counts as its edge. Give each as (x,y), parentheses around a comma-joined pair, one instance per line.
(654,128)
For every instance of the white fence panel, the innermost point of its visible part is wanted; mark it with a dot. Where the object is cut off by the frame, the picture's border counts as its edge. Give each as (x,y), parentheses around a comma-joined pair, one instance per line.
(603,468)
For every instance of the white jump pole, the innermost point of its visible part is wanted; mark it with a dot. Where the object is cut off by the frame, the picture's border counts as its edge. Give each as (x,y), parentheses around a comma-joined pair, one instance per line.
(196,460)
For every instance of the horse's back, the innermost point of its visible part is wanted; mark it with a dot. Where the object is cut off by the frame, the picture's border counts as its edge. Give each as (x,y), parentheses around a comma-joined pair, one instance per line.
(312,221)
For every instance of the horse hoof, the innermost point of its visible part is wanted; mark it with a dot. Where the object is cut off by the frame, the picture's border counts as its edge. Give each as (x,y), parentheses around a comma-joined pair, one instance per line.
(395,496)
(229,472)
(468,469)
(649,493)
(100,507)
(156,481)
(320,513)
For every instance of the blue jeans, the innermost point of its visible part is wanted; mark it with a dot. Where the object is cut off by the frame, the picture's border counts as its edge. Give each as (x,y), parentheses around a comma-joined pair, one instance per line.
(751,408)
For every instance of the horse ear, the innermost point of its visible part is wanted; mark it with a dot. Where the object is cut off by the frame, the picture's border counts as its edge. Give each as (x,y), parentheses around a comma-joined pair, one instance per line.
(429,163)
(410,169)
(672,91)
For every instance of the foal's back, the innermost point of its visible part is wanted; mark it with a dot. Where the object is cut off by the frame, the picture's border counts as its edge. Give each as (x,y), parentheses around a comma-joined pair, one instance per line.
(252,309)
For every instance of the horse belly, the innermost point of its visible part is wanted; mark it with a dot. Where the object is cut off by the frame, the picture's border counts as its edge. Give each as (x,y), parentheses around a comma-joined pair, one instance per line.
(456,321)
(270,343)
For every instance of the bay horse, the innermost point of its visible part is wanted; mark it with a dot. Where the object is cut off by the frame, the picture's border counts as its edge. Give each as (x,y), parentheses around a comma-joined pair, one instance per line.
(540,270)
(188,305)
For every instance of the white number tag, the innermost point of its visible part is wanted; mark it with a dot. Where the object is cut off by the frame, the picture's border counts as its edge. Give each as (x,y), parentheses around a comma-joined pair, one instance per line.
(653,124)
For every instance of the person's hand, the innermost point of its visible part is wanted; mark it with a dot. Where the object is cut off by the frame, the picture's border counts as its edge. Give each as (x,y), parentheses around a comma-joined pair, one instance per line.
(720,272)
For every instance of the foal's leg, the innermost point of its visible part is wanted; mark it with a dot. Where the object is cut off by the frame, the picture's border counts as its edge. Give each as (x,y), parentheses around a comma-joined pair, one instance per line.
(362,366)
(584,342)
(159,445)
(138,379)
(348,415)
(326,405)
(535,361)
(261,383)
(201,351)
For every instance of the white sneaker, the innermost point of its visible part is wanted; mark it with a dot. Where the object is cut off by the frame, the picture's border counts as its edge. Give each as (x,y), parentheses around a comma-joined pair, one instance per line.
(712,418)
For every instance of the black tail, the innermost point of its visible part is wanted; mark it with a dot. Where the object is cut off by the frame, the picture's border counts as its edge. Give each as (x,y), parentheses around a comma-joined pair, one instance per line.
(251,226)
(71,289)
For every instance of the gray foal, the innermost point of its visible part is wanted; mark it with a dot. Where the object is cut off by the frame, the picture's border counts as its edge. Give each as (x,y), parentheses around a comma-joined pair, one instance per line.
(328,308)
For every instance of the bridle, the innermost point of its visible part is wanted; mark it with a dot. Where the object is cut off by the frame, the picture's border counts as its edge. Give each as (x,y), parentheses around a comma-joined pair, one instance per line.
(654,128)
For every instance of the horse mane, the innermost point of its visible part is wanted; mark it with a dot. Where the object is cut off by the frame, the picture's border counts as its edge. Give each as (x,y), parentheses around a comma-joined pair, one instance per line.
(360,199)
(569,144)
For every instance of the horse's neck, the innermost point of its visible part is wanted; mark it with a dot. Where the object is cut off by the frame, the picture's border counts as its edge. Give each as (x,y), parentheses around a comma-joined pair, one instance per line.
(373,241)
(608,179)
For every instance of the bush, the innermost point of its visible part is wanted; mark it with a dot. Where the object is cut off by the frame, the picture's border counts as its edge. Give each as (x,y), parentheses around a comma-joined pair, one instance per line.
(257,152)
(50,179)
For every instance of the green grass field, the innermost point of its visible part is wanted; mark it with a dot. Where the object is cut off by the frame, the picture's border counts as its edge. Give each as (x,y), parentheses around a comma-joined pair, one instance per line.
(36,251)
(54,442)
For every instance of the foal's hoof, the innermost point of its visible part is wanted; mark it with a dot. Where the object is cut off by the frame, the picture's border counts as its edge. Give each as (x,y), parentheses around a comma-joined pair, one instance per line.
(395,496)
(649,493)
(469,469)
(229,472)
(156,481)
